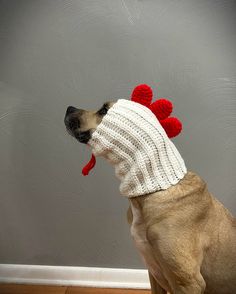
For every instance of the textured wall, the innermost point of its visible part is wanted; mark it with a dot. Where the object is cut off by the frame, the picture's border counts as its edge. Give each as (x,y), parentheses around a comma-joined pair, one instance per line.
(56,53)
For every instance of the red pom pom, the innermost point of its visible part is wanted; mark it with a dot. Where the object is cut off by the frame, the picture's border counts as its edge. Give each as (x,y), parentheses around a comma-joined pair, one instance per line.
(162,108)
(87,168)
(172,126)
(142,94)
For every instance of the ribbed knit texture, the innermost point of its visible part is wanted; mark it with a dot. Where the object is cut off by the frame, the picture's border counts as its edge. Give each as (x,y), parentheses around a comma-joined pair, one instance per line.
(131,138)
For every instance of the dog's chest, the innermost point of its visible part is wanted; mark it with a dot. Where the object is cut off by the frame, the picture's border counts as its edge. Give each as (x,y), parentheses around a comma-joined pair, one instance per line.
(138,233)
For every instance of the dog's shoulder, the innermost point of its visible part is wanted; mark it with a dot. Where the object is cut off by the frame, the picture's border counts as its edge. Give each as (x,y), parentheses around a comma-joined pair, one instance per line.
(190,186)
(192,183)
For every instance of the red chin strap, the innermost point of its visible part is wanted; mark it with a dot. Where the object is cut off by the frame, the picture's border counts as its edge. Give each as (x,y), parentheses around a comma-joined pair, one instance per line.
(90,165)
(162,109)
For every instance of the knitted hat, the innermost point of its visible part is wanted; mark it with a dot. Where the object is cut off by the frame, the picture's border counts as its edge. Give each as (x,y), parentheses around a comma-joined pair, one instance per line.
(132,138)
(162,108)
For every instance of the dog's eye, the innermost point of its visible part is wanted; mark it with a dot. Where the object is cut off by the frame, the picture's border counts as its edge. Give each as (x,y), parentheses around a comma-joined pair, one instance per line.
(103,110)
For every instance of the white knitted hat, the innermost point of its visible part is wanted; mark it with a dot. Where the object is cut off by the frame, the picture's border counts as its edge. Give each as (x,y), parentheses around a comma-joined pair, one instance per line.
(131,138)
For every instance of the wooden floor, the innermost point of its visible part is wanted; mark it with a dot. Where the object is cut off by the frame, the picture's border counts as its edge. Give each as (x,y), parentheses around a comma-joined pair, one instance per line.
(39,289)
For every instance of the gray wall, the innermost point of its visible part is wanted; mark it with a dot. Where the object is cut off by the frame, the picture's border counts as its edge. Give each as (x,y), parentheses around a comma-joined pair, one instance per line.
(57,53)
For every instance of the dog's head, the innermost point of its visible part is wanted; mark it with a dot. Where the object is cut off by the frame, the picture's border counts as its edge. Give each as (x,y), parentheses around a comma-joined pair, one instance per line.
(82,123)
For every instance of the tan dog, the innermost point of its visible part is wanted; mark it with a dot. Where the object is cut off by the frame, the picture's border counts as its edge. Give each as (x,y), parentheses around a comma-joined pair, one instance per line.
(186,237)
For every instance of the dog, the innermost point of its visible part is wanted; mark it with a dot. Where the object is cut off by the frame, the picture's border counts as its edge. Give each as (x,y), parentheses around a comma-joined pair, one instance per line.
(186,237)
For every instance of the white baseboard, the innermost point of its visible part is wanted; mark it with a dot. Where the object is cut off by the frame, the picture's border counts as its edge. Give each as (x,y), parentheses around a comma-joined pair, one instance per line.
(74,276)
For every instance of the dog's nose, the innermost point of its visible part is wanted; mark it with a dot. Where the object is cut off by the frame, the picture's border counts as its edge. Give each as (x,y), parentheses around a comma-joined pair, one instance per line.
(70,109)
(71,123)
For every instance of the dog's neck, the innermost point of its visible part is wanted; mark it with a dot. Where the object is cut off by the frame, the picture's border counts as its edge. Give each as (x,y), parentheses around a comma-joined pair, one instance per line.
(131,138)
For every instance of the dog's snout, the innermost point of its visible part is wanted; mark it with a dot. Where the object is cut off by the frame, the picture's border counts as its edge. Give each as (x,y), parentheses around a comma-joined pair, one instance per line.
(72,123)
(72,118)
(70,109)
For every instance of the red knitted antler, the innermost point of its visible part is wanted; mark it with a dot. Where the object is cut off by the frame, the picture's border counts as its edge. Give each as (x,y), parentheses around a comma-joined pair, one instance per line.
(142,94)
(162,109)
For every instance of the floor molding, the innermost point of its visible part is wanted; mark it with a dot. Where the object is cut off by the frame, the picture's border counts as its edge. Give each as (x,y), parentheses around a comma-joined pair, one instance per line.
(74,276)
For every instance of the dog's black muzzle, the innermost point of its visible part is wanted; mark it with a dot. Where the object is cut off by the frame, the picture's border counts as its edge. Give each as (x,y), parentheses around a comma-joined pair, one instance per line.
(72,123)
